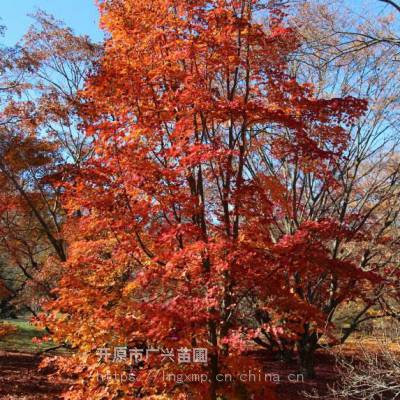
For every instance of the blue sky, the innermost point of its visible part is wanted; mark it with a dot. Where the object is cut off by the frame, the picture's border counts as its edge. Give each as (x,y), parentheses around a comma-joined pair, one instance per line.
(81,15)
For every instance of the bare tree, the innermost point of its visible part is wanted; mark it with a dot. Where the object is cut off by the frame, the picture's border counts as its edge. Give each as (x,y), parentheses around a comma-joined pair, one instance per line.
(373,374)
(364,195)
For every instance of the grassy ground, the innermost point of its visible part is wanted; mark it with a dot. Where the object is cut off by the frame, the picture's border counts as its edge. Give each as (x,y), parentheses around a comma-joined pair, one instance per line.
(21,378)
(21,340)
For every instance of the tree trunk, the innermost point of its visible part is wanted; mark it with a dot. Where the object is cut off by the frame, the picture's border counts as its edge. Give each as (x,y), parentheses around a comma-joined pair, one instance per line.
(306,348)
(213,361)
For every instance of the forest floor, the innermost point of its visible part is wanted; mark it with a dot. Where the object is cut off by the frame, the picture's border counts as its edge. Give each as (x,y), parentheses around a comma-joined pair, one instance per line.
(22,379)
(20,375)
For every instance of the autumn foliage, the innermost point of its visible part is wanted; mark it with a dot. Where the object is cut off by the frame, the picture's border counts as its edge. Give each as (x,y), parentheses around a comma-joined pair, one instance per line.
(6,329)
(171,229)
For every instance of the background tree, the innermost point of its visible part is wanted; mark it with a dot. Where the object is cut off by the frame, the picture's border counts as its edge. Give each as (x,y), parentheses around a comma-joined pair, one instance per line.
(41,143)
(363,197)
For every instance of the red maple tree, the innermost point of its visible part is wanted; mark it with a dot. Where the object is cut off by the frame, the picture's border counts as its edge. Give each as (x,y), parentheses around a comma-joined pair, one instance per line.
(170,242)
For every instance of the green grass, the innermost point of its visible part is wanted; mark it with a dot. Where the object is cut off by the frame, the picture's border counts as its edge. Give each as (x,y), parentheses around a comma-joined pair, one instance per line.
(21,341)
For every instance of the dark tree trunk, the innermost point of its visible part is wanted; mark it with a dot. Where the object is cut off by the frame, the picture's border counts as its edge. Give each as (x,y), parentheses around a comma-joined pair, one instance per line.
(213,361)
(306,348)
(7,310)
